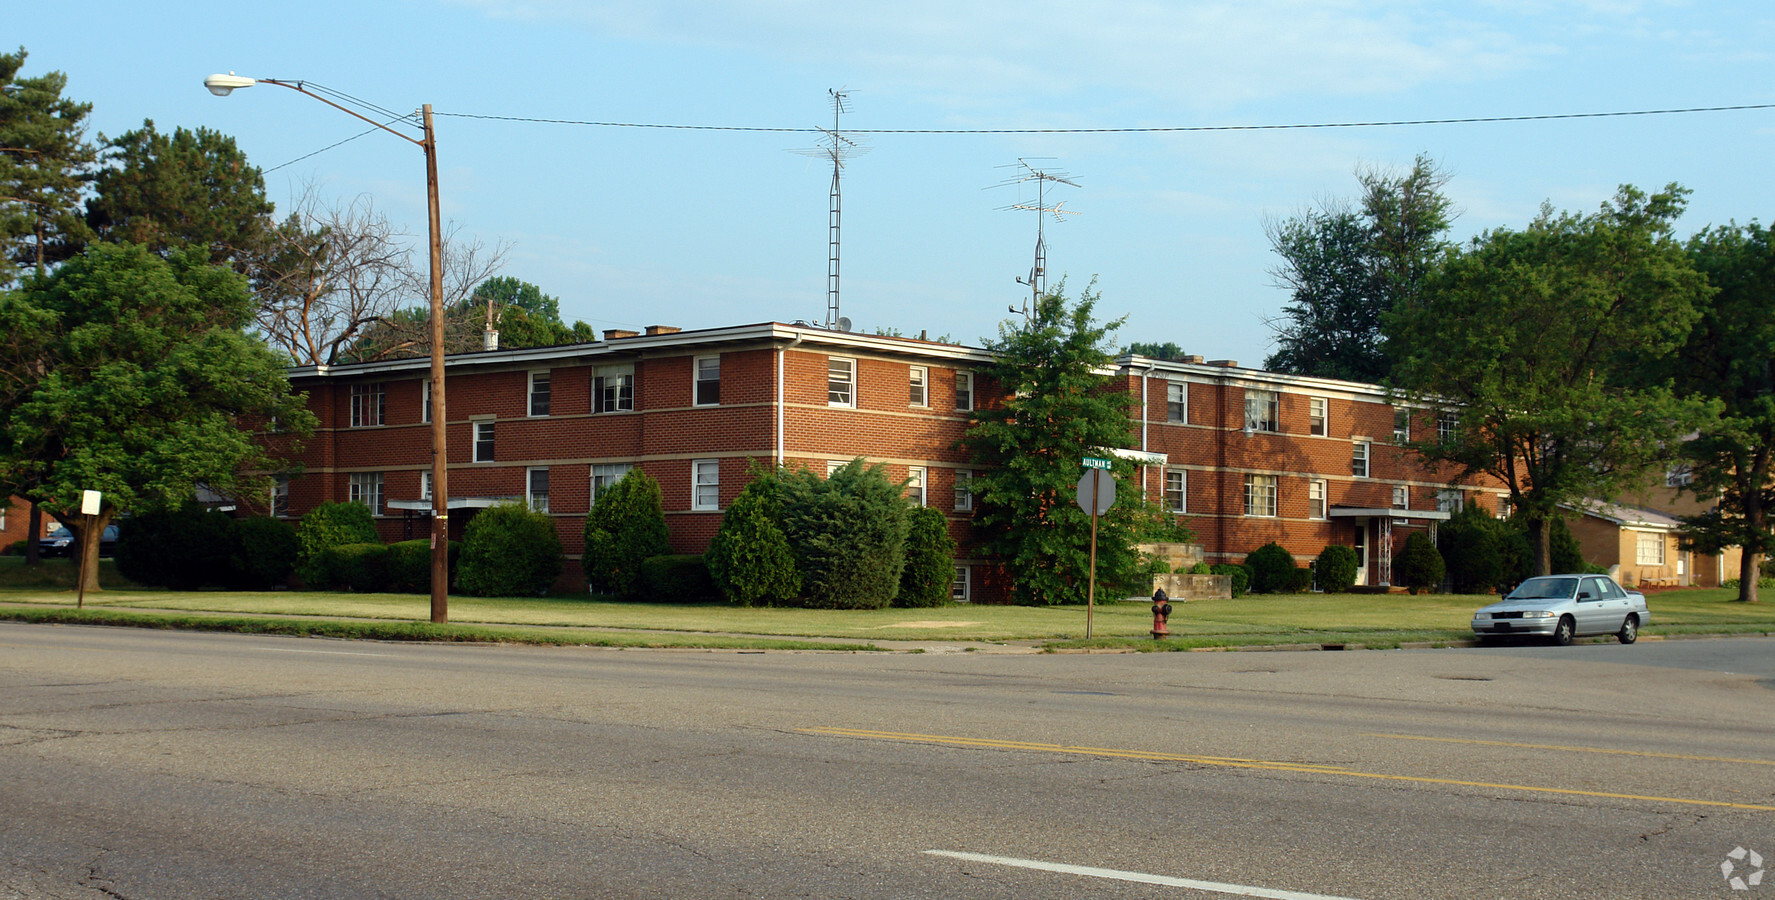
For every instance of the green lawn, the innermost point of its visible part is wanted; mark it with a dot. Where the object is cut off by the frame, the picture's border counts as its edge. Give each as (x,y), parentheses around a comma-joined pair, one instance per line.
(1374,620)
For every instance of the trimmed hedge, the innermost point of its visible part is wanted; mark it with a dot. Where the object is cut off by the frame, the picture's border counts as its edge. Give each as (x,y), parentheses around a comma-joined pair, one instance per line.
(625,527)
(1240,575)
(1272,569)
(331,524)
(749,558)
(1420,567)
(359,568)
(409,565)
(677,578)
(509,551)
(265,552)
(1335,569)
(930,560)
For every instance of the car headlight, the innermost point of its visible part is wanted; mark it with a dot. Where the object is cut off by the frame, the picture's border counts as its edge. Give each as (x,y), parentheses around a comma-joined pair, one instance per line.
(1538,614)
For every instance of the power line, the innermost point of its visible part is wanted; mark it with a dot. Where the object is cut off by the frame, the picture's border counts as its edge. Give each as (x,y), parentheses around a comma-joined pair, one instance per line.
(1169,129)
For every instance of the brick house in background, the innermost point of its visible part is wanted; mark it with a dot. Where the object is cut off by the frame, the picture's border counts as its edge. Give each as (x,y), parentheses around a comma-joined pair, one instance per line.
(1242,456)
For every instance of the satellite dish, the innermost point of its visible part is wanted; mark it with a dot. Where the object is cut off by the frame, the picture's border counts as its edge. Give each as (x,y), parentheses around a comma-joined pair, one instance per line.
(844,323)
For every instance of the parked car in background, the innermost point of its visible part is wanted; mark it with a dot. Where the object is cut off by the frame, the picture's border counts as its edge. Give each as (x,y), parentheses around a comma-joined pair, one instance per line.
(60,542)
(1562,607)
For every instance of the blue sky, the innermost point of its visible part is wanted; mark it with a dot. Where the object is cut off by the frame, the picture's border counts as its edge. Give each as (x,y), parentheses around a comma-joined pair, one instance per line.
(633,227)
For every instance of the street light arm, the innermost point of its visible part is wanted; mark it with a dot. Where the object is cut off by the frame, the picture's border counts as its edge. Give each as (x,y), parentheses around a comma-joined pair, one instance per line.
(297,86)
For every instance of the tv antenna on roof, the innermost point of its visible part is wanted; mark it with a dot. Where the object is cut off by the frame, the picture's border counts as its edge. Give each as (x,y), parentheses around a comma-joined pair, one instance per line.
(1037,281)
(836,147)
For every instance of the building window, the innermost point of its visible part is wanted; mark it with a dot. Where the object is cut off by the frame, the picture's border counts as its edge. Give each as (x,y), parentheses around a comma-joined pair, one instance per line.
(1175,498)
(1450,500)
(483,442)
(841,382)
(367,405)
(539,393)
(1401,425)
(959,589)
(1316,498)
(425,400)
(1176,401)
(964,391)
(537,491)
(280,499)
(1649,548)
(1261,410)
(606,474)
(915,482)
(1678,475)
(1260,495)
(613,389)
(1446,426)
(1359,459)
(1317,408)
(708,380)
(706,481)
(425,486)
(918,379)
(366,488)
(1401,497)
(833,465)
(964,490)
(1503,506)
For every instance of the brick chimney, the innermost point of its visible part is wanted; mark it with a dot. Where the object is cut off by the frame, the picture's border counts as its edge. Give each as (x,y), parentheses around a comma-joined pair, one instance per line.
(662,329)
(615,334)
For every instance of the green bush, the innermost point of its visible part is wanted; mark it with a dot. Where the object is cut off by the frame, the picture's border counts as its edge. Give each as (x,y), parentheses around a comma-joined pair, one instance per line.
(930,560)
(1335,569)
(1200,568)
(182,549)
(265,552)
(510,551)
(1240,575)
(677,578)
(328,525)
(409,565)
(360,568)
(1420,567)
(1272,569)
(749,557)
(1563,550)
(625,527)
(1474,546)
(1303,581)
(848,531)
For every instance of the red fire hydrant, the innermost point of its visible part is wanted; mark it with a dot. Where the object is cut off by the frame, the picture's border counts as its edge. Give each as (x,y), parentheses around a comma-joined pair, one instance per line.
(1161,612)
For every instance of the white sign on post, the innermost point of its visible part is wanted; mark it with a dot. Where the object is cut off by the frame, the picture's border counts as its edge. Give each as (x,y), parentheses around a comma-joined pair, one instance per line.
(89,503)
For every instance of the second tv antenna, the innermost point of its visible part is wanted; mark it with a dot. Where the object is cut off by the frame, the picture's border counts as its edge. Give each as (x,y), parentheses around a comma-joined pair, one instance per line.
(1037,282)
(836,147)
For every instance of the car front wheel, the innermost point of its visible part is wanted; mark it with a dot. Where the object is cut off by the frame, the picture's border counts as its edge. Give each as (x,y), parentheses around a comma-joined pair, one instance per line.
(1563,632)
(1629,630)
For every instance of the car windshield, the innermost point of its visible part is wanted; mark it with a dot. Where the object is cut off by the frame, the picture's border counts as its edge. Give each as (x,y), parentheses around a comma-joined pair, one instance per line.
(1544,589)
(59,531)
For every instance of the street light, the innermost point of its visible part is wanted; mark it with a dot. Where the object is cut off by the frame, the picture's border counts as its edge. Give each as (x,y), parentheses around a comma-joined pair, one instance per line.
(222,86)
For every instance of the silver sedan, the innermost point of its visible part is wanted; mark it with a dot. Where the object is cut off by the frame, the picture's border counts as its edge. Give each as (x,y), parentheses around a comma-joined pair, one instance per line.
(1562,607)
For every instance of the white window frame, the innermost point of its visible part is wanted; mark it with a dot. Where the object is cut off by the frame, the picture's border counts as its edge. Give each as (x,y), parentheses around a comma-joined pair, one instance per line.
(483,434)
(964,391)
(918,386)
(1401,497)
(540,378)
(705,484)
(1446,426)
(624,376)
(1649,541)
(1263,410)
(425,485)
(1176,491)
(1401,424)
(1503,506)
(608,474)
(1361,458)
(366,488)
(530,492)
(833,465)
(961,587)
(701,368)
(917,479)
(848,382)
(425,400)
(280,499)
(1319,416)
(1450,500)
(1679,475)
(1260,496)
(1317,505)
(369,405)
(1177,402)
(964,490)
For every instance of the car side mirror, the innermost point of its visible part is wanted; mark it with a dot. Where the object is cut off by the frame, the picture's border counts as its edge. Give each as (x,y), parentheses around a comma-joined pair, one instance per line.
(1586,595)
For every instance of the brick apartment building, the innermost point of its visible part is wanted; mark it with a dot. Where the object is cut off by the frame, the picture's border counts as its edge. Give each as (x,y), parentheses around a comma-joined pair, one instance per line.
(1242,456)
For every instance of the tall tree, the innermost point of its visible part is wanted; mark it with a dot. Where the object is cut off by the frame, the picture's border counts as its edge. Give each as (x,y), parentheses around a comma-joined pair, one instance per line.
(45,165)
(1346,268)
(190,189)
(1058,408)
(1538,349)
(406,331)
(132,375)
(1729,357)
(327,274)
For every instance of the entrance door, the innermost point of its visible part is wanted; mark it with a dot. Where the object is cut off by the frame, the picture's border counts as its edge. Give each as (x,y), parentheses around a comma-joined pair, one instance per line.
(1361,548)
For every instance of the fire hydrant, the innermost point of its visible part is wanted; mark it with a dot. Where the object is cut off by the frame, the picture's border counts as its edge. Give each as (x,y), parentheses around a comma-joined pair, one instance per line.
(1161,612)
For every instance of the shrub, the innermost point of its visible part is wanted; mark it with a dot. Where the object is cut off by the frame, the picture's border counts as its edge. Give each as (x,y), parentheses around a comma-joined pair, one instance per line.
(930,560)
(409,565)
(625,527)
(1272,569)
(181,549)
(331,524)
(1200,568)
(677,578)
(1240,575)
(1420,567)
(361,568)
(1335,569)
(510,551)
(1473,545)
(1303,581)
(848,531)
(749,559)
(1563,550)
(265,552)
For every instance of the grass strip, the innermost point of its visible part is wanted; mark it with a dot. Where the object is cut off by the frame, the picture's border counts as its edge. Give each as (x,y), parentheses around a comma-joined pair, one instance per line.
(408,631)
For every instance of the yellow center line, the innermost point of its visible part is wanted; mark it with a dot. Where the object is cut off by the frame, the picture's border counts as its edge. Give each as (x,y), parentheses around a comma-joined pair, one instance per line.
(1240,763)
(1602,750)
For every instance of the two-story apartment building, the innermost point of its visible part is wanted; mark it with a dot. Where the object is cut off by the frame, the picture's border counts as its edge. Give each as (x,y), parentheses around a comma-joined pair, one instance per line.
(1243,456)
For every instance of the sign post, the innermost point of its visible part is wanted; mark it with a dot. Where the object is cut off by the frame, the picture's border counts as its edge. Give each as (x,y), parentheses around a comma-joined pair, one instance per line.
(89,507)
(1097,493)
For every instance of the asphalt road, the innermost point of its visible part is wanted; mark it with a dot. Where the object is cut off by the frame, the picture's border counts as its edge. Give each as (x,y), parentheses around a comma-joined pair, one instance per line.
(138,764)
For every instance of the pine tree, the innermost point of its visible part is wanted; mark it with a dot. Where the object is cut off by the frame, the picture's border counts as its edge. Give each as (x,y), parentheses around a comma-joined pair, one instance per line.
(45,164)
